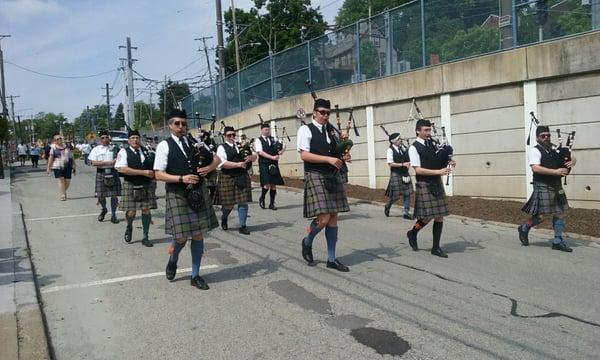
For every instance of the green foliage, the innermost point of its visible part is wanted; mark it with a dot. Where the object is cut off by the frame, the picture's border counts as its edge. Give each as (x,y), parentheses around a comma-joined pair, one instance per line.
(46,125)
(475,40)
(354,10)
(118,120)
(3,129)
(369,60)
(175,92)
(147,116)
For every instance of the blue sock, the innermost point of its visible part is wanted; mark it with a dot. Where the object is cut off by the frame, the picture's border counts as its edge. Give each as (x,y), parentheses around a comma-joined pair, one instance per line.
(331,234)
(177,247)
(113,205)
(242,213)
(197,248)
(313,230)
(558,224)
(406,204)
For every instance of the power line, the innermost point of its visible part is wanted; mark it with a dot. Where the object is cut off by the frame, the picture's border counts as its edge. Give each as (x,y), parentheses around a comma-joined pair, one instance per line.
(60,76)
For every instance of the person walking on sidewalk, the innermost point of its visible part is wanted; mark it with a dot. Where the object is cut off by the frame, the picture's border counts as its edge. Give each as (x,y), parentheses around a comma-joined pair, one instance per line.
(234,186)
(34,152)
(400,184)
(61,162)
(324,193)
(268,165)
(430,197)
(185,216)
(139,188)
(108,184)
(548,197)
(22,152)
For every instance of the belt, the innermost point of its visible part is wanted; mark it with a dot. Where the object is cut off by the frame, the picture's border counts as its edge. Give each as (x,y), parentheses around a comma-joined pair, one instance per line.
(101,171)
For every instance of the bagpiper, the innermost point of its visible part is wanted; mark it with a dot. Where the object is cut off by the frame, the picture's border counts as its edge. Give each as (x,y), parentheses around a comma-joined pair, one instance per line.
(400,184)
(266,146)
(108,184)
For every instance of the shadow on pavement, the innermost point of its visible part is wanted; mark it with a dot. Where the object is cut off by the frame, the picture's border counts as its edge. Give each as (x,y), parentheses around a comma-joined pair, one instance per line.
(370,254)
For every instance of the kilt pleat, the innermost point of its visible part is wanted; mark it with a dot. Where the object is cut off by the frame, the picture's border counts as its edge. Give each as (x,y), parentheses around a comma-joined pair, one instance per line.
(396,188)
(228,194)
(181,221)
(103,191)
(544,200)
(426,204)
(317,200)
(266,178)
(128,202)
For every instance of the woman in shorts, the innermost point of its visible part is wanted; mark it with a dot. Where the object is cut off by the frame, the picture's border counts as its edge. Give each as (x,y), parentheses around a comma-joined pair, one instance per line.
(61,162)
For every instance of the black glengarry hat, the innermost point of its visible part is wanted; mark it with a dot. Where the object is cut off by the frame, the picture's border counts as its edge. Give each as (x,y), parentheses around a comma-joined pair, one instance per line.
(103,133)
(265,125)
(393,137)
(322,103)
(132,132)
(176,113)
(423,122)
(227,129)
(541,129)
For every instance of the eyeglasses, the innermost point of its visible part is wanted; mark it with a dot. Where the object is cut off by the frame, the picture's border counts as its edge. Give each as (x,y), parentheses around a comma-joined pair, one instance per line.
(324,112)
(543,136)
(230,135)
(179,123)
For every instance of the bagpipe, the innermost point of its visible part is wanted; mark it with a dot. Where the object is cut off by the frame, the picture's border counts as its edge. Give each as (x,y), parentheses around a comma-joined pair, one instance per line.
(245,146)
(564,151)
(403,145)
(278,141)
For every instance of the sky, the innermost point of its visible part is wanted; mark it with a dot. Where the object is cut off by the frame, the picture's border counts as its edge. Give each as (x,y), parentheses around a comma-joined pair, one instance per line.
(81,38)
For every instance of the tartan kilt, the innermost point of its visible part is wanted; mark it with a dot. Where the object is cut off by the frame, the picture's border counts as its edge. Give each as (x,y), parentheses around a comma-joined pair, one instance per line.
(181,221)
(128,203)
(396,188)
(228,194)
(317,200)
(103,191)
(211,179)
(344,173)
(426,204)
(266,178)
(545,200)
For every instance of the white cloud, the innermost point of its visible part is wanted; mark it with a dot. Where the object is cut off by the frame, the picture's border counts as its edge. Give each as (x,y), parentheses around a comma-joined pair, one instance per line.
(22,11)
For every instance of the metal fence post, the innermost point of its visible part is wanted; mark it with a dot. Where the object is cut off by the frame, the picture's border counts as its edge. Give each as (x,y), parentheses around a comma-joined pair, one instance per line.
(272,79)
(358,75)
(514,24)
(239,82)
(423,51)
(309,61)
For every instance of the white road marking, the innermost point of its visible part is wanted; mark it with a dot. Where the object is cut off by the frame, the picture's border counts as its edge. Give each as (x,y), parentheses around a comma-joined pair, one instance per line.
(61,217)
(116,280)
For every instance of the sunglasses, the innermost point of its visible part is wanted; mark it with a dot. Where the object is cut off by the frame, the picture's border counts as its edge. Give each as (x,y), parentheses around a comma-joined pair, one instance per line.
(229,135)
(543,136)
(104,137)
(324,112)
(180,123)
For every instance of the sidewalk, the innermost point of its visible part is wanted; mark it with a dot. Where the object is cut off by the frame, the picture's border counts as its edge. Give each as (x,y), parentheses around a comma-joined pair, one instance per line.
(22,334)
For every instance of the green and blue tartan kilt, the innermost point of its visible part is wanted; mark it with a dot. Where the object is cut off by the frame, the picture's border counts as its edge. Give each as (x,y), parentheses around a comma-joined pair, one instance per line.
(545,200)
(428,205)
(228,194)
(317,200)
(103,191)
(128,202)
(396,188)
(181,221)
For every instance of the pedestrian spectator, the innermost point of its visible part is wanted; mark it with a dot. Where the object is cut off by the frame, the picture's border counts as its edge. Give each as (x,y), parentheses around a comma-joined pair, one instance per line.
(85,149)
(62,163)
(22,152)
(34,152)
(47,150)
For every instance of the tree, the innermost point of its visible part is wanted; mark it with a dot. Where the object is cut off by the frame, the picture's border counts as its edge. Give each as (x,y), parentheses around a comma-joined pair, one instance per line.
(475,40)
(175,92)
(272,25)
(118,120)
(352,11)
(147,116)
(46,125)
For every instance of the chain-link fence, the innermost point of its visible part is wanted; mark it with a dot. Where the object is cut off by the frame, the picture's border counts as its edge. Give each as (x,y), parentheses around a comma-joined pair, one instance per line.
(417,34)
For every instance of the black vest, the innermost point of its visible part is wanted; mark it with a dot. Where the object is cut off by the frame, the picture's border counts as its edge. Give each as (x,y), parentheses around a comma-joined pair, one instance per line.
(400,157)
(551,160)
(134,161)
(232,156)
(269,149)
(429,160)
(178,163)
(319,146)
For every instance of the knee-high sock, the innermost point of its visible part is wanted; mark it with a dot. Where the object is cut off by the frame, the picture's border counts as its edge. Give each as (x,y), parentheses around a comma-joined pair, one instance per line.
(226,212)
(313,230)
(558,224)
(197,249)
(533,221)
(263,193)
(146,219)
(102,202)
(130,216)
(242,213)
(176,249)
(331,235)
(419,225)
(406,201)
(437,233)
(272,194)
(390,203)
(113,205)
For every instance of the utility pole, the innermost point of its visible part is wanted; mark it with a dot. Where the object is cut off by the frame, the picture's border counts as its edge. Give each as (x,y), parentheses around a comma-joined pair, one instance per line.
(107,96)
(203,39)
(165,103)
(2,84)
(220,47)
(129,91)
(235,39)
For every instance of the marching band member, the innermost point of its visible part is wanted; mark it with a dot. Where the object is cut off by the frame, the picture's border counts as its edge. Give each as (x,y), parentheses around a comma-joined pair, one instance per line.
(268,165)
(400,182)
(108,184)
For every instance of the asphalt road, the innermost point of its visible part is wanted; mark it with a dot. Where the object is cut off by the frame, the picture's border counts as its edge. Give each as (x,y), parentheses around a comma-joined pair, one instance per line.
(492,298)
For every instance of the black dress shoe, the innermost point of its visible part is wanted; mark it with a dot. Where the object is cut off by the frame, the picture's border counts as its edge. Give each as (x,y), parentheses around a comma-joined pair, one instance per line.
(307,252)
(337,265)
(147,242)
(562,247)
(523,236)
(272,207)
(114,220)
(438,252)
(199,282)
(102,215)
(224,223)
(244,230)
(407,217)
(386,210)
(171,270)
(261,203)
(128,232)
(412,239)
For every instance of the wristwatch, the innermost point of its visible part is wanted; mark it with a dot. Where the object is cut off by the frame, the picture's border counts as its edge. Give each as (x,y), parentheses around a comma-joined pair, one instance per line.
(180,179)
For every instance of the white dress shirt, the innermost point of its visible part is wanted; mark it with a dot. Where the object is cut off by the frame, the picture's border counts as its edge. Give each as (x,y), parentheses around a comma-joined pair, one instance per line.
(535,156)
(304,136)
(390,154)
(415,159)
(122,158)
(162,152)
(102,153)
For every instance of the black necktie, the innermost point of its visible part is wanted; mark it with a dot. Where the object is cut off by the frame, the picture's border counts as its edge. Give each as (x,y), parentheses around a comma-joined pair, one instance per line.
(186,148)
